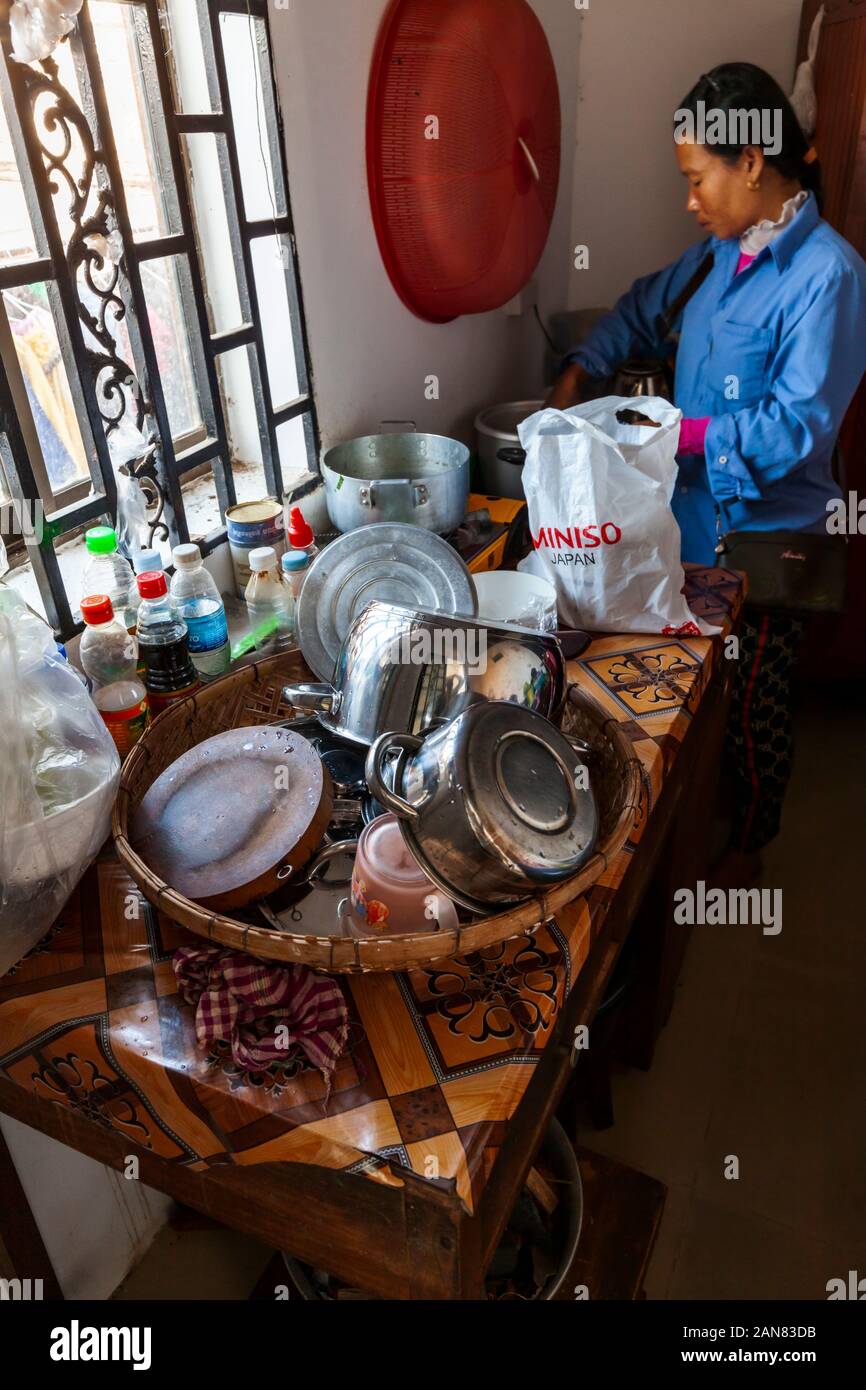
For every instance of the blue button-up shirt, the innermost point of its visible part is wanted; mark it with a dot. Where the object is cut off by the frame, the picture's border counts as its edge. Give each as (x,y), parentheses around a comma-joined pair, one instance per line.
(773,355)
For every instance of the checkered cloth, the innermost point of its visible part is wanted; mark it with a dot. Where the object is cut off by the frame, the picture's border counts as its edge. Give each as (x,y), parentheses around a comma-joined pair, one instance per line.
(264,1012)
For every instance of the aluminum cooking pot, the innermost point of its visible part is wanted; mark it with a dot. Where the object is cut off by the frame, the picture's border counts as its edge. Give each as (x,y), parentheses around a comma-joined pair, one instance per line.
(500,452)
(407,671)
(421,479)
(495,807)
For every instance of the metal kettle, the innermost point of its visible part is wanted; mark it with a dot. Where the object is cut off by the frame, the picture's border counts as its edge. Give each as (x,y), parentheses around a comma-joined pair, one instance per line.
(638,377)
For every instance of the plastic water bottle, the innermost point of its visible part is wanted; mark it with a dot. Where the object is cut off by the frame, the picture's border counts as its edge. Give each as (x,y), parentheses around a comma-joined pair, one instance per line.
(109,654)
(295,565)
(202,609)
(270,603)
(147,561)
(106,572)
(169,674)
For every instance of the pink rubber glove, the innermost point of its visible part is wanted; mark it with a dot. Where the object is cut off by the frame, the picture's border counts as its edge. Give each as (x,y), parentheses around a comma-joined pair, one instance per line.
(693,434)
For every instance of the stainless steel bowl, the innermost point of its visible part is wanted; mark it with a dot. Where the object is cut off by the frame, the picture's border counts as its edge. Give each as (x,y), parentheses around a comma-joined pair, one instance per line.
(494,807)
(402,670)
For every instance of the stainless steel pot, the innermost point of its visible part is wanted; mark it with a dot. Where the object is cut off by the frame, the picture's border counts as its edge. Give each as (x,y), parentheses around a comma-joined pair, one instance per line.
(421,479)
(492,806)
(408,671)
(500,452)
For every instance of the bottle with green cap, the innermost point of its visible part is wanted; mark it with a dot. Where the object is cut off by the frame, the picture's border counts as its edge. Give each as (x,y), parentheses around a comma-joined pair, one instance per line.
(106,572)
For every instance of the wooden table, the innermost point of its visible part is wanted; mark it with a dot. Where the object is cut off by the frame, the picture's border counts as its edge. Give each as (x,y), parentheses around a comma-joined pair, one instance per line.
(403,1180)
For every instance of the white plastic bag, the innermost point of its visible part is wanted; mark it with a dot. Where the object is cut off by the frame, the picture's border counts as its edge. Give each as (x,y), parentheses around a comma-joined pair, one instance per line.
(59,771)
(599,494)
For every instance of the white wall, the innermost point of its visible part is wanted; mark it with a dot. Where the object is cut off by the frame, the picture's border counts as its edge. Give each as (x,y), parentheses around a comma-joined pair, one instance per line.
(639,58)
(94,1222)
(623,66)
(370,354)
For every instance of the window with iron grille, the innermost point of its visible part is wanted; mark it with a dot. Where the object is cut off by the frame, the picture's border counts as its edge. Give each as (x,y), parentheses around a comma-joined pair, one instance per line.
(152,320)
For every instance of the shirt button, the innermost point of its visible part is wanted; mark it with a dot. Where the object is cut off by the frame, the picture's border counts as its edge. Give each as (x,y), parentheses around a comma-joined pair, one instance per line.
(723,458)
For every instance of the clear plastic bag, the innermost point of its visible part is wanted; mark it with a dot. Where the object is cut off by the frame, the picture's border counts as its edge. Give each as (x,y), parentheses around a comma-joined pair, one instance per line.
(59,771)
(133,532)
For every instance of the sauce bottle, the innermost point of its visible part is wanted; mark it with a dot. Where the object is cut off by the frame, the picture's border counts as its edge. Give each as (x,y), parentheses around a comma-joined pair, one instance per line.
(169,674)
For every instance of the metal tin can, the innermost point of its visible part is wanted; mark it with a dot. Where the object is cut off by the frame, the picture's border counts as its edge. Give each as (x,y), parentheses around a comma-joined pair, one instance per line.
(249,526)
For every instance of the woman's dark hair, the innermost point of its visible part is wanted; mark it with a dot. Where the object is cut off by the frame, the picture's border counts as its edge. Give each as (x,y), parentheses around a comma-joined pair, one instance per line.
(745,87)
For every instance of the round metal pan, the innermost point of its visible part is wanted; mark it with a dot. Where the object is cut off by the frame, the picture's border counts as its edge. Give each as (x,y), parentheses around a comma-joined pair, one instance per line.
(389,563)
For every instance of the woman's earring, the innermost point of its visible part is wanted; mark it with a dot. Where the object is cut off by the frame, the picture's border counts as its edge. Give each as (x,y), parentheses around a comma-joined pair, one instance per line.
(753,185)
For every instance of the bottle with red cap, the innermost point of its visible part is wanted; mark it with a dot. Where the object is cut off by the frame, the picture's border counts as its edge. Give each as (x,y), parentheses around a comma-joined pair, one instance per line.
(109,654)
(301,552)
(163,639)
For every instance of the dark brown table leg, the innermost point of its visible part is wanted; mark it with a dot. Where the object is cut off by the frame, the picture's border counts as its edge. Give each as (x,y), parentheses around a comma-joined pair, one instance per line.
(622,1212)
(681,790)
(660,942)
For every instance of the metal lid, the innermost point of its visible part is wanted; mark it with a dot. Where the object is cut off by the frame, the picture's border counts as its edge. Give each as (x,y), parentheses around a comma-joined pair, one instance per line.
(522,781)
(501,421)
(389,562)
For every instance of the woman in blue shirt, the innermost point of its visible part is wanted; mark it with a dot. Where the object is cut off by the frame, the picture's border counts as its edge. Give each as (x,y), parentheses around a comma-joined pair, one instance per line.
(772,349)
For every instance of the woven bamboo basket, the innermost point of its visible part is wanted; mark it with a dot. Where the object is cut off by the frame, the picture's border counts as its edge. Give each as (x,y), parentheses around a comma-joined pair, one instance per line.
(253,695)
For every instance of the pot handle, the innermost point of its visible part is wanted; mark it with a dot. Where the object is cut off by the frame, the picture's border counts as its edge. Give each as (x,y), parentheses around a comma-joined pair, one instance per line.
(581,747)
(375,774)
(311,874)
(321,699)
(373,494)
(512,455)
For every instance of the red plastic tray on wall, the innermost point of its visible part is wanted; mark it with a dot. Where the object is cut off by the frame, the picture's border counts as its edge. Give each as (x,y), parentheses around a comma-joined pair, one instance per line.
(462,218)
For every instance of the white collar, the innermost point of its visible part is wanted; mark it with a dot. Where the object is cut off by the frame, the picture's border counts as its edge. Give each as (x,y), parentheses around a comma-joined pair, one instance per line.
(759,236)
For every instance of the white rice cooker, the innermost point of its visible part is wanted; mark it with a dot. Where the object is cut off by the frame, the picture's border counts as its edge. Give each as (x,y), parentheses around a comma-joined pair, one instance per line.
(500,454)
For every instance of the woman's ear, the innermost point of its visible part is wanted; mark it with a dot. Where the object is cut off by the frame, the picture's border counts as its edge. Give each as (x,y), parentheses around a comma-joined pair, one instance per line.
(753,164)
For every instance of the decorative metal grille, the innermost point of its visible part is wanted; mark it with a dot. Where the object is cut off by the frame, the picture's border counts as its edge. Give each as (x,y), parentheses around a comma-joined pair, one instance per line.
(91,264)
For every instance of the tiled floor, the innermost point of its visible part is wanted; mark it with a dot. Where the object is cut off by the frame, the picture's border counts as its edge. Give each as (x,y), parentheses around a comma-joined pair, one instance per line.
(193,1264)
(762,1059)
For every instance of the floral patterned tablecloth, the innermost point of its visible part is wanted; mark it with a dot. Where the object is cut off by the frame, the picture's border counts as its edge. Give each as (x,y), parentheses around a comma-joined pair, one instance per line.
(439,1058)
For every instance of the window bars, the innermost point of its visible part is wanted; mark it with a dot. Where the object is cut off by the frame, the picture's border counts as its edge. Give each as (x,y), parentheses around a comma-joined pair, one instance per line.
(94,269)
